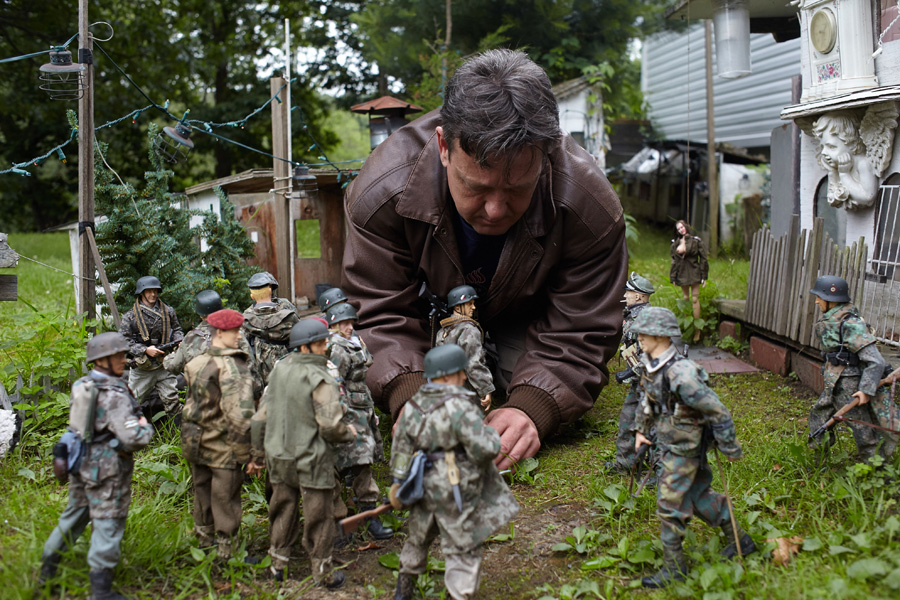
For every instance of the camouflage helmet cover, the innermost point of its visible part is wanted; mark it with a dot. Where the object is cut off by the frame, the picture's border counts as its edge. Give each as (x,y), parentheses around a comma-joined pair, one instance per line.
(262,279)
(831,289)
(340,312)
(460,295)
(330,297)
(639,284)
(207,302)
(105,344)
(445,360)
(657,321)
(307,331)
(146,283)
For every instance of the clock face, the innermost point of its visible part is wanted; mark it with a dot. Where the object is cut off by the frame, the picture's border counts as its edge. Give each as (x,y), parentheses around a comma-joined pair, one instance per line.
(822,31)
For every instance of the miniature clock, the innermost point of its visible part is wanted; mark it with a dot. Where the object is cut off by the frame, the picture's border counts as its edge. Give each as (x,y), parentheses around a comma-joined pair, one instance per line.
(823,30)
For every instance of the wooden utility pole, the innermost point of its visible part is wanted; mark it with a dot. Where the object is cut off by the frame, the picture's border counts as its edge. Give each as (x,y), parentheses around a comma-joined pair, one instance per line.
(712,165)
(86,287)
(281,142)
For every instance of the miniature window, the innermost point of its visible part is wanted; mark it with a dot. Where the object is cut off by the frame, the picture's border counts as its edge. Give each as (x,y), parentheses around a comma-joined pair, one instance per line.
(309,243)
(834,224)
(886,256)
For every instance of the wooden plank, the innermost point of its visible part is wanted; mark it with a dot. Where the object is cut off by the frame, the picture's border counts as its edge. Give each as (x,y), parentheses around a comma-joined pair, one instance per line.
(753,275)
(98,262)
(812,273)
(759,275)
(788,277)
(779,285)
(766,282)
(799,286)
(9,288)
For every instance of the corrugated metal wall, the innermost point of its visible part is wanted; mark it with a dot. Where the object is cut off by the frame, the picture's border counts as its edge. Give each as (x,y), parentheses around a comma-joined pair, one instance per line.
(746,109)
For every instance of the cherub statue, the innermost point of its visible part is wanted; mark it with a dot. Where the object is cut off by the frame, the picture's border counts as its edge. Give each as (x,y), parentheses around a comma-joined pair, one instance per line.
(854,148)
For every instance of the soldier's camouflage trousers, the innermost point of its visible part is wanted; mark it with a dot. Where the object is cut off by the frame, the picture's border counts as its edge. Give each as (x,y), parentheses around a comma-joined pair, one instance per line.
(366,448)
(684,490)
(625,436)
(362,484)
(867,438)
(217,506)
(106,535)
(318,519)
(143,382)
(462,572)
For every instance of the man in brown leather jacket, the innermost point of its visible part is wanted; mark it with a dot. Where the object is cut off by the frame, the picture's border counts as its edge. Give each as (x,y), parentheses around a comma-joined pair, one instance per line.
(489,192)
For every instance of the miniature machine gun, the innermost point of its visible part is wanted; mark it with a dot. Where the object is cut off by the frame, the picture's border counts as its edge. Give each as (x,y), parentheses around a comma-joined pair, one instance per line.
(838,416)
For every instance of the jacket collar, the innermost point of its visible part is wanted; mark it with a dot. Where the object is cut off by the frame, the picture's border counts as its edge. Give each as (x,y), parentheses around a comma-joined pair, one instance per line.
(654,365)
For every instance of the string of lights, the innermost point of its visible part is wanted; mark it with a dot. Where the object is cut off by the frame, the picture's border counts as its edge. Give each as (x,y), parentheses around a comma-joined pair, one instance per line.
(41,53)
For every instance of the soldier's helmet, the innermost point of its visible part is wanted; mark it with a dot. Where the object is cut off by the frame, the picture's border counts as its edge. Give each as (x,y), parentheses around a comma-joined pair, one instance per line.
(656,320)
(258,280)
(831,289)
(331,297)
(460,295)
(207,302)
(340,312)
(146,283)
(445,360)
(307,331)
(105,344)
(639,284)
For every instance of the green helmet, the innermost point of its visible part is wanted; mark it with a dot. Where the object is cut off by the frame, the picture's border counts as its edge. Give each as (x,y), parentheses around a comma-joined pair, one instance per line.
(147,283)
(655,320)
(207,302)
(340,312)
(330,297)
(639,284)
(258,280)
(307,331)
(460,295)
(445,360)
(831,289)
(105,344)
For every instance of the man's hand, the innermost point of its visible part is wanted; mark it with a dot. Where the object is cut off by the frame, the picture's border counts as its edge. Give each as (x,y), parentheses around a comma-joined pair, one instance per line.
(518,436)
(152,351)
(486,403)
(640,440)
(254,469)
(863,398)
(397,420)
(352,429)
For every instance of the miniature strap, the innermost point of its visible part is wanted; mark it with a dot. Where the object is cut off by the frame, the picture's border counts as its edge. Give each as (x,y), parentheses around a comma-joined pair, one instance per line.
(842,356)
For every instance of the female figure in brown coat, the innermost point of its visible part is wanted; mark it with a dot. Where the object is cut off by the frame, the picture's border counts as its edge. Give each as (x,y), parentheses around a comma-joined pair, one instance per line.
(690,268)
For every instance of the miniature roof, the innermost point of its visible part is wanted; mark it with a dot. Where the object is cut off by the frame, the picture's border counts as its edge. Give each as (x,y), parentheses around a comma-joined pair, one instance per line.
(385,103)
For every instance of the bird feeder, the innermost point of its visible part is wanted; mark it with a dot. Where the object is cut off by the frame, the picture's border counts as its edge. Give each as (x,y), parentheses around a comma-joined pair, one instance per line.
(174,143)
(386,115)
(305,186)
(731,21)
(61,78)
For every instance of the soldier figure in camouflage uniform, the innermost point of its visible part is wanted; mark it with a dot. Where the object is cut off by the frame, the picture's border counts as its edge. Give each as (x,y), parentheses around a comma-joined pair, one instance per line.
(149,324)
(296,446)
(465,499)
(215,431)
(462,329)
(331,297)
(637,297)
(686,413)
(267,326)
(350,356)
(105,414)
(853,368)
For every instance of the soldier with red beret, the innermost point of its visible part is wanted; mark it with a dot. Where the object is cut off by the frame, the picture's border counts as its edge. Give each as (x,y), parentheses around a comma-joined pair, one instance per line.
(215,431)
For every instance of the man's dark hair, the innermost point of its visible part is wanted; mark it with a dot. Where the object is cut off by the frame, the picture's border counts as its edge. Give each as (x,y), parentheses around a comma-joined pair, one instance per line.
(497,102)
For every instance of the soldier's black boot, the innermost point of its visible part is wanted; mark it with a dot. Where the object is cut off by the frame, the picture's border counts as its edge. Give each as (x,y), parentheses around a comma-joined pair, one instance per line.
(101,586)
(747,545)
(674,568)
(406,587)
(378,531)
(48,571)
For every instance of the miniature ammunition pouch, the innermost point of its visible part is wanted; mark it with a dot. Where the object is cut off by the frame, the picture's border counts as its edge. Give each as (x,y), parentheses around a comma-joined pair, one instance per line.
(624,376)
(842,357)
(359,400)
(412,489)
(190,441)
(67,455)
(399,465)
(433,457)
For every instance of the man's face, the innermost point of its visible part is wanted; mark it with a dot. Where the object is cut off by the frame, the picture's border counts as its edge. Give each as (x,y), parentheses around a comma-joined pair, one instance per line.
(149,297)
(345,328)
(115,363)
(653,345)
(229,338)
(822,305)
(318,347)
(491,200)
(632,298)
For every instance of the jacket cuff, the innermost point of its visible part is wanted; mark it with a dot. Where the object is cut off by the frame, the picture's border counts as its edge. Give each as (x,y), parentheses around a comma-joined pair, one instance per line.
(400,389)
(540,407)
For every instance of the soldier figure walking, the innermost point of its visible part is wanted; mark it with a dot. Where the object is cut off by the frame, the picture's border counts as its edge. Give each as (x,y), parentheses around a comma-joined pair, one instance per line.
(293,432)
(853,369)
(462,329)
(686,413)
(104,413)
(215,432)
(147,326)
(465,499)
(350,356)
(267,326)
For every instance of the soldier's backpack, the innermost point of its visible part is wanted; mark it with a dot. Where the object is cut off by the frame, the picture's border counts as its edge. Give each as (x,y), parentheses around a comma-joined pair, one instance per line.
(72,445)
(413,489)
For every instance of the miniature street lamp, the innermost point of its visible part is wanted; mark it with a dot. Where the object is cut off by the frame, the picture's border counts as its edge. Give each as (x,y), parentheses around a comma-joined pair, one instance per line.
(386,115)
(61,78)
(731,21)
(305,186)
(174,143)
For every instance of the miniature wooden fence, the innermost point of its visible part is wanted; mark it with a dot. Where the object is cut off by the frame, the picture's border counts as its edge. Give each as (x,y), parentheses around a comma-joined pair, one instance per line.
(783,270)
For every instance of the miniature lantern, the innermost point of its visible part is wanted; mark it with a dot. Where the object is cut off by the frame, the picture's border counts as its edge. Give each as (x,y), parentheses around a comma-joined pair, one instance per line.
(386,115)
(61,78)
(305,186)
(731,21)
(174,143)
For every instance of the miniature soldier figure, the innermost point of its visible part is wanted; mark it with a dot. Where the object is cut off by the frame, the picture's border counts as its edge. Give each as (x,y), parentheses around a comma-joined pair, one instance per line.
(331,297)
(350,356)
(298,421)
(215,432)
(465,499)
(463,330)
(853,369)
(104,413)
(637,297)
(267,327)
(685,411)
(151,328)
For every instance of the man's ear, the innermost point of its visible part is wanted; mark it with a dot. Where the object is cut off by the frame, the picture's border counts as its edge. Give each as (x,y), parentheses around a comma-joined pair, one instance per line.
(443,147)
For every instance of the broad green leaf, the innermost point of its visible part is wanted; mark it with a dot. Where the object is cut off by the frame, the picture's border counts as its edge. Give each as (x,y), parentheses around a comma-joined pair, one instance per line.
(197,554)
(528,465)
(892,525)
(812,544)
(644,555)
(391,560)
(561,547)
(867,567)
(861,540)
(601,562)
(26,473)
(836,549)
(708,577)
(893,579)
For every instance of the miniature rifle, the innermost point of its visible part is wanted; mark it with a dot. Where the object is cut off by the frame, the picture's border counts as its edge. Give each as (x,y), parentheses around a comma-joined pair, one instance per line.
(891,379)
(439,309)
(350,524)
(639,457)
(834,419)
(166,348)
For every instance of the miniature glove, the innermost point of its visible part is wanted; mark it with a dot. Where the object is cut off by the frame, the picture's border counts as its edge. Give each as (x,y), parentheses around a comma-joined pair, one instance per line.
(395,502)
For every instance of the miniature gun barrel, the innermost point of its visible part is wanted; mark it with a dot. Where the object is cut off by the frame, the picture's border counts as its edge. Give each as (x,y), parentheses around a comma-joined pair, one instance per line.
(830,423)
(352,523)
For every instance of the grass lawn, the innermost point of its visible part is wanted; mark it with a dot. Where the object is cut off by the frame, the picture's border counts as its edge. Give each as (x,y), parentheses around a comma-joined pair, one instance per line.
(39,286)
(579,533)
